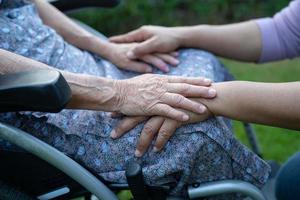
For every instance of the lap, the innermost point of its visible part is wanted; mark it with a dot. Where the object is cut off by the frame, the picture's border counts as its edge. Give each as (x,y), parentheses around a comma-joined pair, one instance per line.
(196,153)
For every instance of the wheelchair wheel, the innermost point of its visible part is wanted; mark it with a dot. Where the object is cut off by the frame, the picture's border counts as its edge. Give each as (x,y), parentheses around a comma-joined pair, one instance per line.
(10,193)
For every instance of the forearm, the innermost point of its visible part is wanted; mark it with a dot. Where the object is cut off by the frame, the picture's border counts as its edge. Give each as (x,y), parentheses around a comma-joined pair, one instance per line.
(69,30)
(274,104)
(88,92)
(241,41)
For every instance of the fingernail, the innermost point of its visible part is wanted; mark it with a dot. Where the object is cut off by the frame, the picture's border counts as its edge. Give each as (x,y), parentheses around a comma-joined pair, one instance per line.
(206,80)
(202,109)
(137,153)
(212,92)
(113,134)
(148,70)
(155,149)
(176,54)
(131,55)
(166,68)
(176,62)
(185,117)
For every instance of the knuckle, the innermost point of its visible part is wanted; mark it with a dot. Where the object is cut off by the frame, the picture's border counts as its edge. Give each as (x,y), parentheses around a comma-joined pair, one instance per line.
(201,79)
(163,134)
(122,126)
(178,100)
(167,111)
(205,90)
(185,88)
(142,145)
(148,129)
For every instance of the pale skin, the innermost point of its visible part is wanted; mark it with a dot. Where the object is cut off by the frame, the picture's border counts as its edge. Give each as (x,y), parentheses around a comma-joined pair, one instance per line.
(115,53)
(275,104)
(168,93)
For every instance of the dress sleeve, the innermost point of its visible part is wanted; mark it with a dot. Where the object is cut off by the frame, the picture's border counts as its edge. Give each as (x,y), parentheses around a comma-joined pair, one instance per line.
(280,35)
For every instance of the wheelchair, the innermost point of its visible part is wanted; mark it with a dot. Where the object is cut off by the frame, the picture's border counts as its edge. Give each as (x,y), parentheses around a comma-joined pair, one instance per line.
(42,172)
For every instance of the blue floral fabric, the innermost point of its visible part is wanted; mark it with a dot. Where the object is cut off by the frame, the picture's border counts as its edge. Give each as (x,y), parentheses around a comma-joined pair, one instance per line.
(200,152)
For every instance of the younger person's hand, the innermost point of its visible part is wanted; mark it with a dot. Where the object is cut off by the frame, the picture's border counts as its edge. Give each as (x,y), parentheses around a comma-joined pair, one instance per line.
(156,127)
(117,54)
(151,39)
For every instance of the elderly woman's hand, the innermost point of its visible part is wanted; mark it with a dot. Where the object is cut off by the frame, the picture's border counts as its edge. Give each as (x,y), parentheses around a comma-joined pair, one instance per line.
(159,127)
(149,94)
(116,53)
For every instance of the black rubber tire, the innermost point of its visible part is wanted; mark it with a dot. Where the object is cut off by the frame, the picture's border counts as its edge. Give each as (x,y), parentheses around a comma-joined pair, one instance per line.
(10,193)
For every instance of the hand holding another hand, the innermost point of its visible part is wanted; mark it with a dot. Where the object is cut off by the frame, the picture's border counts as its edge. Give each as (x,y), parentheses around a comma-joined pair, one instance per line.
(117,54)
(151,39)
(156,127)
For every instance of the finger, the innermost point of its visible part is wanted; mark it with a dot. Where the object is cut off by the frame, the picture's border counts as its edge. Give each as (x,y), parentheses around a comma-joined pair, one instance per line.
(147,47)
(132,36)
(167,111)
(190,80)
(179,101)
(191,90)
(167,58)
(125,125)
(115,114)
(166,131)
(156,61)
(148,133)
(138,67)
(174,54)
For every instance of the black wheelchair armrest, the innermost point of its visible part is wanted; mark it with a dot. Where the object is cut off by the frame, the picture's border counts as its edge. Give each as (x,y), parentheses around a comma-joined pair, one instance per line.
(40,90)
(67,5)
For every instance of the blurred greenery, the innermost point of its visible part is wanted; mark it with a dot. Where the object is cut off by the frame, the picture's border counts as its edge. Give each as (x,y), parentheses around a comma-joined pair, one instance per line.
(131,14)
(277,144)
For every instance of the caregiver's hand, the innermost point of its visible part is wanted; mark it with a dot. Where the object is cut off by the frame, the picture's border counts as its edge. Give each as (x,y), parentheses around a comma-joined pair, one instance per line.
(158,126)
(116,53)
(152,94)
(152,39)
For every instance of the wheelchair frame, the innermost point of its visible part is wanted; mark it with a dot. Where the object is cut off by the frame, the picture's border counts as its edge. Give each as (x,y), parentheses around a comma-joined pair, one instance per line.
(95,186)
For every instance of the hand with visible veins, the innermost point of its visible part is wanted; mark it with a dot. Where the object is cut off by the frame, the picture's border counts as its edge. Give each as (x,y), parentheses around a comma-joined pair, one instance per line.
(152,94)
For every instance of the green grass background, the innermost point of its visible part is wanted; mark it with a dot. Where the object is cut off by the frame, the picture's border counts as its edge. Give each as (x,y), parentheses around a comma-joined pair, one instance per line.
(277,144)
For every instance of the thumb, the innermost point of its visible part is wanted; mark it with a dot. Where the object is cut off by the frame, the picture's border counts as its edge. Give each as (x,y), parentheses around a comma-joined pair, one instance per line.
(133,36)
(146,47)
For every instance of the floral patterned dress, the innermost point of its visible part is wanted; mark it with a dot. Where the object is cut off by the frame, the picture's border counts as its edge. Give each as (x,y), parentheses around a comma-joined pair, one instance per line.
(200,152)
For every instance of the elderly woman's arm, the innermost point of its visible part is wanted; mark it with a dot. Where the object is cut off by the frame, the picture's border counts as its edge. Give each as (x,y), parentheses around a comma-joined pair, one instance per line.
(115,53)
(141,95)
(68,29)
(87,91)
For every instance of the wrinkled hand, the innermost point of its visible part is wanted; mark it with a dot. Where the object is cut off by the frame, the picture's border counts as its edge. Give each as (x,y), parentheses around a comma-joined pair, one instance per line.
(152,94)
(151,39)
(116,53)
(159,127)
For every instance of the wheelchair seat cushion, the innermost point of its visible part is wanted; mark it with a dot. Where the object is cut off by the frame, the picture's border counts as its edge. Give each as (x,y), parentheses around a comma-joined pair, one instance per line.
(200,152)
